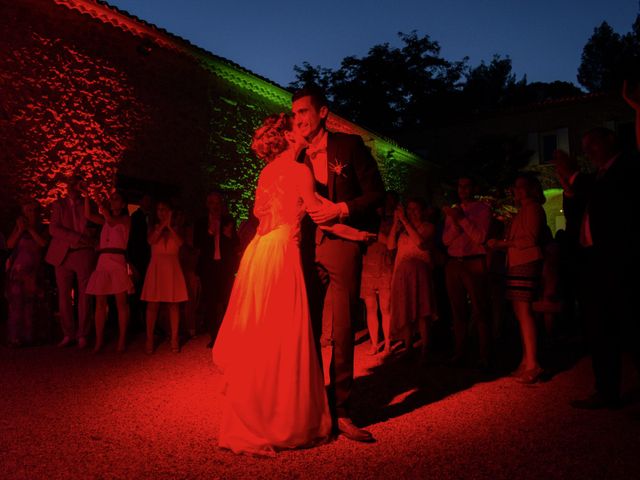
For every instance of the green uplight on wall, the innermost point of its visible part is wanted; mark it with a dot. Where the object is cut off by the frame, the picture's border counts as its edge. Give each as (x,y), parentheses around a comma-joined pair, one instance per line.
(553,209)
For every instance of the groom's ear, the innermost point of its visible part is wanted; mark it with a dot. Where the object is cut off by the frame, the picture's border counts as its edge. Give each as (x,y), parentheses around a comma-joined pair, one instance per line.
(323,112)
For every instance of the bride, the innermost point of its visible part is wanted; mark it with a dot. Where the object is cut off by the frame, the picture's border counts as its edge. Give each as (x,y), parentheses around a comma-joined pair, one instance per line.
(275,397)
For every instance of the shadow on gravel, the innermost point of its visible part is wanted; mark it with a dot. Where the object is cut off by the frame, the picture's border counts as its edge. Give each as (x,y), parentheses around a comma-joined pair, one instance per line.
(395,388)
(399,386)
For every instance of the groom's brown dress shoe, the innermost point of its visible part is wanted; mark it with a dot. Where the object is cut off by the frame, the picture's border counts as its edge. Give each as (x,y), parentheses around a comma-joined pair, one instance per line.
(349,430)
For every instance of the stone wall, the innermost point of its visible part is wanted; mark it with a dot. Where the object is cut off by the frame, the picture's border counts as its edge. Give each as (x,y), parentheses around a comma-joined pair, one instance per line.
(82,90)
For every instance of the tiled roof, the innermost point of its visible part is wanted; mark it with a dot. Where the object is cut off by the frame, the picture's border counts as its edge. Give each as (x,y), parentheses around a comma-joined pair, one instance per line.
(230,71)
(124,20)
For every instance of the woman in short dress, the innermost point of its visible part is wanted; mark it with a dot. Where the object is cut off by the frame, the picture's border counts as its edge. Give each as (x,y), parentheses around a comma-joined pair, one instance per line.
(412,297)
(111,276)
(375,284)
(524,266)
(164,281)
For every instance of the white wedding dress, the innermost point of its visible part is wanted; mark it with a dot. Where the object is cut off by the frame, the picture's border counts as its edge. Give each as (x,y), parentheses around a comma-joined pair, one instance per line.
(275,397)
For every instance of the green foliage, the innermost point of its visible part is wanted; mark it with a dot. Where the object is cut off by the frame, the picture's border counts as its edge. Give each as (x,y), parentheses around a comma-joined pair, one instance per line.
(390,88)
(412,87)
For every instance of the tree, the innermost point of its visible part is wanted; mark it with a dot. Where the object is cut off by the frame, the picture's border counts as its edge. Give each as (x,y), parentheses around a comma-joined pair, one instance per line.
(390,88)
(608,58)
(539,92)
(490,87)
(307,74)
(600,59)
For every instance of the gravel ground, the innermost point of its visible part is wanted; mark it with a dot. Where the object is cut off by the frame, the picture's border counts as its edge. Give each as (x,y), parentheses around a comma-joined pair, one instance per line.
(66,413)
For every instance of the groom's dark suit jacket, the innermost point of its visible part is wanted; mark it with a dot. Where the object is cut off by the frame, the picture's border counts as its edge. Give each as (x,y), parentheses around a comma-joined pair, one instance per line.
(353,177)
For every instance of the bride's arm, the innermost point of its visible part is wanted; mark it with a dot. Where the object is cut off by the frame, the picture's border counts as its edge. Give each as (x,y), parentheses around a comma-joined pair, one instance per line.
(311,201)
(306,188)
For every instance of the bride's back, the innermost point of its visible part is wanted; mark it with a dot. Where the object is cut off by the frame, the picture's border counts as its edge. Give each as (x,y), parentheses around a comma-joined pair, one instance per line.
(278,199)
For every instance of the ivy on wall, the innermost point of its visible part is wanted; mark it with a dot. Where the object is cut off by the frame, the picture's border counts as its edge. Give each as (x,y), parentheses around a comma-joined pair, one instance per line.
(68,113)
(84,97)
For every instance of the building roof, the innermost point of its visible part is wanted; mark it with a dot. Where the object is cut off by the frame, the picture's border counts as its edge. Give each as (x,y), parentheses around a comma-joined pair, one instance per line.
(224,68)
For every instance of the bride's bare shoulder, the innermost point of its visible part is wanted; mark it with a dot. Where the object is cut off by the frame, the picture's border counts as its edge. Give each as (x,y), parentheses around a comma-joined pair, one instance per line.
(301,170)
(266,172)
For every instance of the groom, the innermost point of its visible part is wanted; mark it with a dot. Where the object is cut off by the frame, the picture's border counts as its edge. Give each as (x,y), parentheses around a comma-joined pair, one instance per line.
(347,177)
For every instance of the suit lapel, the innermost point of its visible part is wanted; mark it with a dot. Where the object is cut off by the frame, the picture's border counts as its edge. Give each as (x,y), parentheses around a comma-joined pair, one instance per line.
(332,150)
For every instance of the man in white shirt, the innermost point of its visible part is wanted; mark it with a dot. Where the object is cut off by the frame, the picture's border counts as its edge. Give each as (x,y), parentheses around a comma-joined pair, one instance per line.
(465,232)
(347,178)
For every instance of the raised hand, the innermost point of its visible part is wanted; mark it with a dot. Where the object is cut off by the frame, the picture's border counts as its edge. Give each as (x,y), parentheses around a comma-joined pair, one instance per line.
(399,215)
(455,213)
(83,188)
(21,223)
(565,165)
(631,95)
(103,208)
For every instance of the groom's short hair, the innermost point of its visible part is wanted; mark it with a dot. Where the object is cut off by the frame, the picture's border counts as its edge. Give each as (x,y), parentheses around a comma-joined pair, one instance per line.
(318,98)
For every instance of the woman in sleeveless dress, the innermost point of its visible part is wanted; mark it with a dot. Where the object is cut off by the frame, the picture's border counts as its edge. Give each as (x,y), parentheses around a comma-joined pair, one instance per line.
(412,296)
(275,397)
(164,281)
(111,276)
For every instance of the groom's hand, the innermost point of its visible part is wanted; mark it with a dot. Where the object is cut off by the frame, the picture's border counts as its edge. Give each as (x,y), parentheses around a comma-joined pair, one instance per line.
(326,211)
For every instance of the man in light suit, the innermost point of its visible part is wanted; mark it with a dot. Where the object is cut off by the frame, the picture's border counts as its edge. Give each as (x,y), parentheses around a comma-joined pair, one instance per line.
(72,253)
(348,179)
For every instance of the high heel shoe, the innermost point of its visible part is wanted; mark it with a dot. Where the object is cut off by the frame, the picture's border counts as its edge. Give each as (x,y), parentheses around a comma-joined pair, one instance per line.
(518,371)
(373,350)
(529,377)
(149,347)
(175,346)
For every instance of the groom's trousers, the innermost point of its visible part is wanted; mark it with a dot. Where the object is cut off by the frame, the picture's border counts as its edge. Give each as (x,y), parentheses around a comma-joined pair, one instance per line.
(339,267)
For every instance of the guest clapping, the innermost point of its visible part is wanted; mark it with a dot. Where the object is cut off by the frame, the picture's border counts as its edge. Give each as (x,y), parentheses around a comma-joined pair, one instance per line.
(72,253)
(412,298)
(465,232)
(24,273)
(111,275)
(164,281)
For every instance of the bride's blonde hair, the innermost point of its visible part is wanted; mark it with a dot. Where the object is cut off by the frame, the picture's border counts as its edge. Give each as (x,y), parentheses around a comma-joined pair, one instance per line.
(269,140)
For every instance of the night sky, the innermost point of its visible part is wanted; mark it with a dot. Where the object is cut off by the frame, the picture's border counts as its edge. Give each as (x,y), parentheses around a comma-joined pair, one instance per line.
(544,38)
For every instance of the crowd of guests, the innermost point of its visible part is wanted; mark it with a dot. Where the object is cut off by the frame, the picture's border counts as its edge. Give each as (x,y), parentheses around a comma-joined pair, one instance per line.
(425,266)
(415,242)
(586,273)
(101,259)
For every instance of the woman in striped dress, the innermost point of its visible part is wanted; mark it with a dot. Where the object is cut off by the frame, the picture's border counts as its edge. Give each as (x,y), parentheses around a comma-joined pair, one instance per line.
(524,243)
